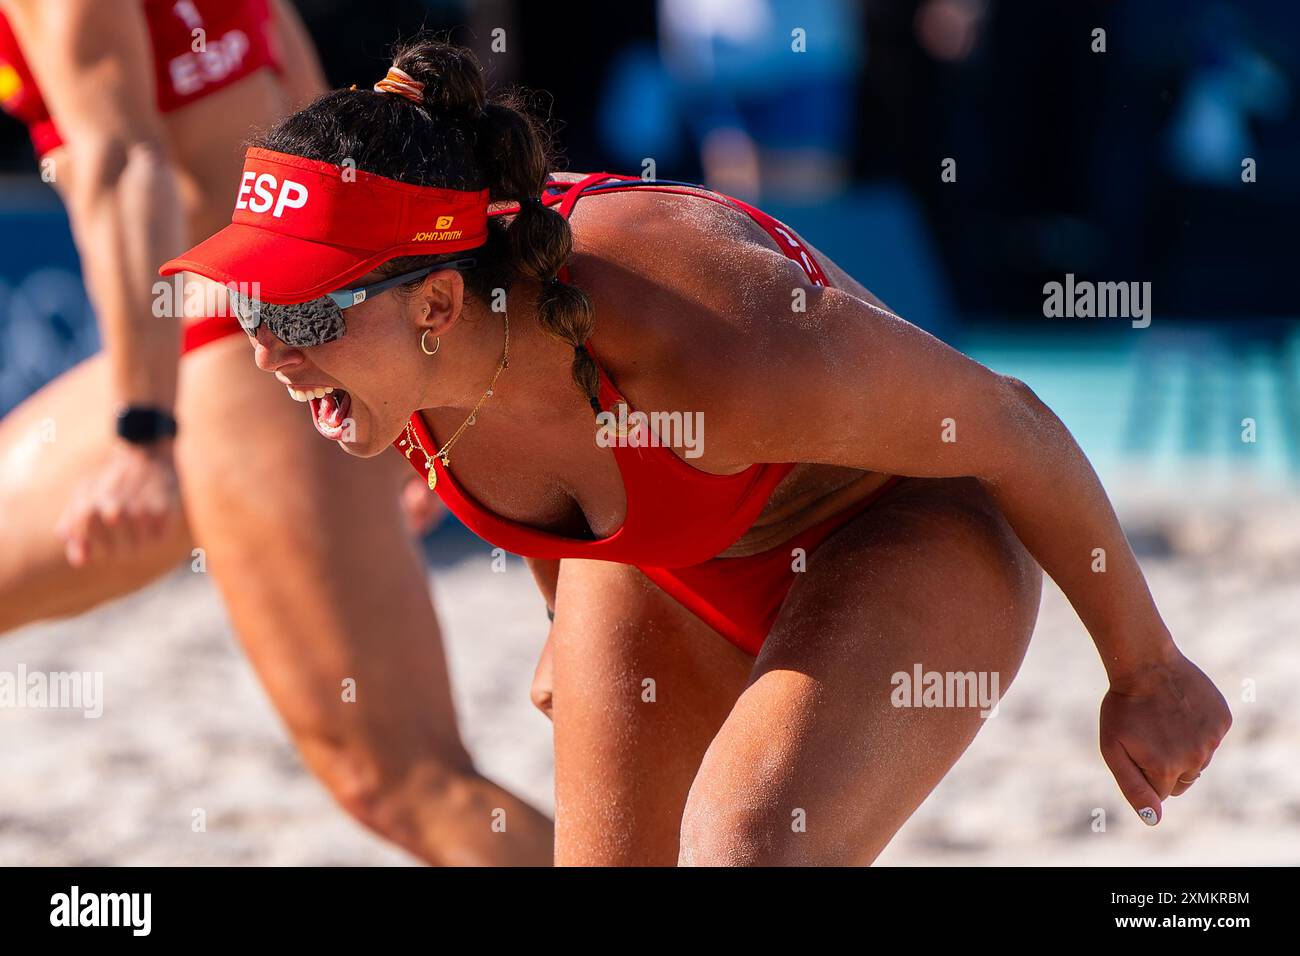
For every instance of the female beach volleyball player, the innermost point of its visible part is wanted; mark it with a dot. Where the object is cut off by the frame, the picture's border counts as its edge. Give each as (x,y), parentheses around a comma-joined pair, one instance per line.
(728,615)
(140,110)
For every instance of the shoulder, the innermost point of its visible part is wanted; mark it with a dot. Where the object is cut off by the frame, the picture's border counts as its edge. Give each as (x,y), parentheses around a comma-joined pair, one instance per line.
(696,308)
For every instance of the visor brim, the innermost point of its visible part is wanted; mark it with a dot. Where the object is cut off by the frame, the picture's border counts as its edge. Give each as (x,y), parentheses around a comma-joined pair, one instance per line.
(287,269)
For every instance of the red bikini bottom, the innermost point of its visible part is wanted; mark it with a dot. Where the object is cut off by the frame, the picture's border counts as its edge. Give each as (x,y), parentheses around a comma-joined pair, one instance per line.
(740,597)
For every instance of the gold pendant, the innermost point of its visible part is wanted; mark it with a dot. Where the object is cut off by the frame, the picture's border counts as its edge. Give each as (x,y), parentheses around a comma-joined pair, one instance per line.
(433,477)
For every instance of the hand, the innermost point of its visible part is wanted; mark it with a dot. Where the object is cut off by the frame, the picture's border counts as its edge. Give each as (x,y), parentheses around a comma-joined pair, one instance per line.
(1160,726)
(423,509)
(128,504)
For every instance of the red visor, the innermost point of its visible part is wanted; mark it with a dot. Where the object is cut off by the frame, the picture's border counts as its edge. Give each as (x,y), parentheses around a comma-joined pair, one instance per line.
(302,228)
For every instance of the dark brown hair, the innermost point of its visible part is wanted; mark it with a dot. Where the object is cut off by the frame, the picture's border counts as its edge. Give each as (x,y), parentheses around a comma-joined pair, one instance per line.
(459,137)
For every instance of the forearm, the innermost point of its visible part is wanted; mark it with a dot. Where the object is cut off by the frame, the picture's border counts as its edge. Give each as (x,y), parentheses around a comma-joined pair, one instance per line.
(301,68)
(127,218)
(1049,493)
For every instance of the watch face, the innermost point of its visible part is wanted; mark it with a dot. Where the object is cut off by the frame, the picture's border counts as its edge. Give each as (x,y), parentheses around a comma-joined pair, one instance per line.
(142,426)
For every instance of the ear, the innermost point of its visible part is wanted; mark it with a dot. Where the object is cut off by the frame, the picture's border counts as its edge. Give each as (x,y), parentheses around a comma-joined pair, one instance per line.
(440,301)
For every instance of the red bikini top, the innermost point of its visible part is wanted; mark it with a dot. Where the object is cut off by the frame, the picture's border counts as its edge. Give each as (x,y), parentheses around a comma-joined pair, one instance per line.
(677,515)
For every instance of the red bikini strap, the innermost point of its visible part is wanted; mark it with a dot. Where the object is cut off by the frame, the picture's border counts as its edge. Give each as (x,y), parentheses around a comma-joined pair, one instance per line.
(570,198)
(567,202)
(574,192)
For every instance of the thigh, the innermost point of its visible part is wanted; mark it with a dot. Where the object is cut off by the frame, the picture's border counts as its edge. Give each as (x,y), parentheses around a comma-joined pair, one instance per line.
(816,764)
(48,445)
(325,589)
(640,688)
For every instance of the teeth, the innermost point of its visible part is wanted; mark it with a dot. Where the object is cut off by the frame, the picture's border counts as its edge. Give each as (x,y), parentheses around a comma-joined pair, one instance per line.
(306,395)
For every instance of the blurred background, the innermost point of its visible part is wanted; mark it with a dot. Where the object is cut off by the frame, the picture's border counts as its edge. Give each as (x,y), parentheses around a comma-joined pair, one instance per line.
(1117,166)
(955,156)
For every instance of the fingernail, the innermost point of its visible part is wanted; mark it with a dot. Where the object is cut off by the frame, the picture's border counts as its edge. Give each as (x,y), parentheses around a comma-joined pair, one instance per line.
(1148,816)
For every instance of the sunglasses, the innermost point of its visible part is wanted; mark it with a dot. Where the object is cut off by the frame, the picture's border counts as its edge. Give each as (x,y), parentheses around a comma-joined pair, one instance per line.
(318,321)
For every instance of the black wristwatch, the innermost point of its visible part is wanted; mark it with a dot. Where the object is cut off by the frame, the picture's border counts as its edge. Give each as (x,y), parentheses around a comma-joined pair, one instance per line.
(144,424)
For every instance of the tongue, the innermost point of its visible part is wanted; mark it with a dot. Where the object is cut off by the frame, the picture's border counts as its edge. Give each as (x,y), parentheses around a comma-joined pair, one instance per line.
(329,410)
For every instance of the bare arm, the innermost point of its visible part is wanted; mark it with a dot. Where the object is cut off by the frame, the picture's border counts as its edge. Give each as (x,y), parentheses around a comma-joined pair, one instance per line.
(849,383)
(303,76)
(852,384)
(93,61)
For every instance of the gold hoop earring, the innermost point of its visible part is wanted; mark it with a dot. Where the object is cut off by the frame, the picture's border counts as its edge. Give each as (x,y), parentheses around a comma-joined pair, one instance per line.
(437,343)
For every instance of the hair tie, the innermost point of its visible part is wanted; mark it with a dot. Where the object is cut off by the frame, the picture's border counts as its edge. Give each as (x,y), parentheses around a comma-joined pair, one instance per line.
(580,349)
(530,201)
(401,83)
(551,283)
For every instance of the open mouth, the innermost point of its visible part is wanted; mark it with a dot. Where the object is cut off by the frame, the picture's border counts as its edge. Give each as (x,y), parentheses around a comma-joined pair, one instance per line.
(329,409)
(329,413)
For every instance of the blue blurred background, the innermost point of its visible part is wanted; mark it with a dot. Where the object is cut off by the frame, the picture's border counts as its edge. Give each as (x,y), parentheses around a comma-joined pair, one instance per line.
(1123,165)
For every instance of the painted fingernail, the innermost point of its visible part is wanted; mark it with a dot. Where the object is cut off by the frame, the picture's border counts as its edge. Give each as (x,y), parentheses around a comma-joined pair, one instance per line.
(1148,816)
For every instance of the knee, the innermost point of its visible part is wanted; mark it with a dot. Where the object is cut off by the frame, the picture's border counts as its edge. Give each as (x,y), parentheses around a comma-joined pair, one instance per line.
(369,793)
(400,797)
(715,835)
(540,695)
(540,692)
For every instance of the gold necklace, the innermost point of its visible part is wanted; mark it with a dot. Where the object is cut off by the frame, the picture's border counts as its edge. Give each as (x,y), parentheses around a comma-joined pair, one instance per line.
(413,440)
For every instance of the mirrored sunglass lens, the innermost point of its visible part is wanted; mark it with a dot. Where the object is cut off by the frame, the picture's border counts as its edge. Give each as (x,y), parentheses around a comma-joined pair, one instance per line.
(307,323)
(247,310)
(300,325)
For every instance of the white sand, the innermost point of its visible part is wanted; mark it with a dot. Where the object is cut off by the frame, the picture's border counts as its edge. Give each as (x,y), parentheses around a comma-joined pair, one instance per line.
(186,725)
